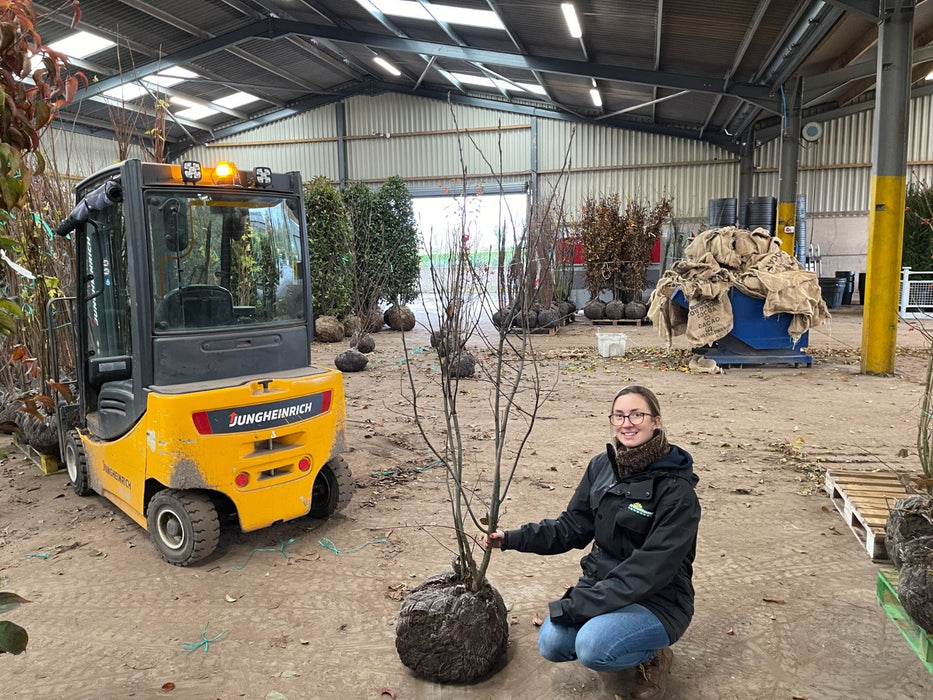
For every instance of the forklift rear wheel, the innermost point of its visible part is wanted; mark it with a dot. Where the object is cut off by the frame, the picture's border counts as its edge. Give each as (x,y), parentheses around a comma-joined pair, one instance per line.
(332,489)
(183,526)
(76,464)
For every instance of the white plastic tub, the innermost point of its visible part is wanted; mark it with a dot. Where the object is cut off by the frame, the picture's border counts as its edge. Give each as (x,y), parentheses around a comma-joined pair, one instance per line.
(611,344)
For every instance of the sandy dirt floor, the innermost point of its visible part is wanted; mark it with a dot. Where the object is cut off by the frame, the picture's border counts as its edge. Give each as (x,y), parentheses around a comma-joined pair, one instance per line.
(785,604)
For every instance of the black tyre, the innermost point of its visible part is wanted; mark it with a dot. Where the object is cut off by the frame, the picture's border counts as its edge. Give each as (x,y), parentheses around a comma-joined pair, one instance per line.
(183,526)
(332,489)
(76,464)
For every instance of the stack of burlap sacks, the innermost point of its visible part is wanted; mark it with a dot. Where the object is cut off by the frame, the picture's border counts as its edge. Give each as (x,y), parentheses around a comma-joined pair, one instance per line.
(752,262)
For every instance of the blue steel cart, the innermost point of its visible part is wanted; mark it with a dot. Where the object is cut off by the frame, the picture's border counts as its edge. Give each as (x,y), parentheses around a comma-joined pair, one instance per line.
(754,339)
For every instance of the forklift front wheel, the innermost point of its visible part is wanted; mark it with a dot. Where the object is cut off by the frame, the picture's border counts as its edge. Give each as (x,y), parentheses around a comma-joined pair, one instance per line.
(332,489)
(183,526)
(76,464)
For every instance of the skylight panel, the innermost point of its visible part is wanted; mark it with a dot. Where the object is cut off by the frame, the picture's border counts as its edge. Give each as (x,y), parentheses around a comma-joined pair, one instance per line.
(80,44)
(126,92)
(483,81)
(194,111)
(196,114)
(533,87)
(237,99)
(171,76)
(467,16)
(474,80)
(445,13)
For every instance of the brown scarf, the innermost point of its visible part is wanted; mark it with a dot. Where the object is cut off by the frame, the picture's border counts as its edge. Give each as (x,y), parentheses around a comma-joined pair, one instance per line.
(636,459)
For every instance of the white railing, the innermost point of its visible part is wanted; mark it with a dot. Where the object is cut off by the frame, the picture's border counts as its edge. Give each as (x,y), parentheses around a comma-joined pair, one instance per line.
(916,299)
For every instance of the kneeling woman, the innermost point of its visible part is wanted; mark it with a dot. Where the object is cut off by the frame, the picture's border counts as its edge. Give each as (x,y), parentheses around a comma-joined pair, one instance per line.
(637,504)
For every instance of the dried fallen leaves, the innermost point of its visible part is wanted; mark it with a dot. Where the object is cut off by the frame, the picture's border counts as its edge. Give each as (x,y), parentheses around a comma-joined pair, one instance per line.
(396,591)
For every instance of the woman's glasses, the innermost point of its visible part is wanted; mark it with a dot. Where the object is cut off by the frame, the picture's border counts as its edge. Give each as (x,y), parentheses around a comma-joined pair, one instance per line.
(635,417)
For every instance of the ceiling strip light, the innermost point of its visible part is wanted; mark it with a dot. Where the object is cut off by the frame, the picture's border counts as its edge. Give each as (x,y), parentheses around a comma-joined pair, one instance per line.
(386,66)
(596,97)
(573,24)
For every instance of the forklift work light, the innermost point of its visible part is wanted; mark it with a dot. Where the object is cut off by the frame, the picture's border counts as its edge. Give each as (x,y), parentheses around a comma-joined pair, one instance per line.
(262,176)
(191,171)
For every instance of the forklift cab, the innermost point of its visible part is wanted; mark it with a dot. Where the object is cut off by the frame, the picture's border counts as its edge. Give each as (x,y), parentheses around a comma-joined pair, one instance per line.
(192,307)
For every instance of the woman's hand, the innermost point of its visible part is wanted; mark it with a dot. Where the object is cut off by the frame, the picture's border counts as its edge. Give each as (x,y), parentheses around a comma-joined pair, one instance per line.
(494,539)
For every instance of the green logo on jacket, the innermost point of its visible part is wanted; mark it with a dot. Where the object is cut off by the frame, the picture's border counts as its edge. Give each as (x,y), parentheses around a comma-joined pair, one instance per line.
(637,508)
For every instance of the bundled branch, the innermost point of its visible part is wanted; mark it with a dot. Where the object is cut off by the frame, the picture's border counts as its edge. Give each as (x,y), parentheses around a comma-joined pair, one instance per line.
(617,243)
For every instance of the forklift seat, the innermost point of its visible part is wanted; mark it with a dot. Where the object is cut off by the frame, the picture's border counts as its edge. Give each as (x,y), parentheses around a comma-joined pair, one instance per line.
(197,306)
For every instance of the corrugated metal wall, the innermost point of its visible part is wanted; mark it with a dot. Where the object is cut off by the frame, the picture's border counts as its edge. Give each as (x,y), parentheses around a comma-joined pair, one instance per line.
(306,143)
(414,137)
(835,172)
(75,156)
(603,160)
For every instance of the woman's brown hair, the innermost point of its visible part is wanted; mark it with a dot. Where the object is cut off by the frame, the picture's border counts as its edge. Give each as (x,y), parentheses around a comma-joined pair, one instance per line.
(653,405)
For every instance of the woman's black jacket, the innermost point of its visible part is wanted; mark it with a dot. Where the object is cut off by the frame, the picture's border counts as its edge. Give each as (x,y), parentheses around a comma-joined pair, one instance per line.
(645,532)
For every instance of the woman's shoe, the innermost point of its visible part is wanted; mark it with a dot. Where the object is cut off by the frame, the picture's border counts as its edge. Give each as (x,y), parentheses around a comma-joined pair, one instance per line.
(651,678)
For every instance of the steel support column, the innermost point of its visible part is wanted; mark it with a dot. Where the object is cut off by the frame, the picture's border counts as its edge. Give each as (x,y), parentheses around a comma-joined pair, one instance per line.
(341,117)
(790,157)
(534,163)
(746,181)
(888,176)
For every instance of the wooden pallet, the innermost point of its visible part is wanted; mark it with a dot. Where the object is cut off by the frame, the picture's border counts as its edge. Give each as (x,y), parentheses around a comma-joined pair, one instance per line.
(918,638)
(535,331)
(864,500)
(618,322)
(46,463)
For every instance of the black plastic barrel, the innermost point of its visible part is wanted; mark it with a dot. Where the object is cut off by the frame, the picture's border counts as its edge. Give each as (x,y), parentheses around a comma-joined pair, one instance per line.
(849,277)
(760,212)
(723,212)
(831,289)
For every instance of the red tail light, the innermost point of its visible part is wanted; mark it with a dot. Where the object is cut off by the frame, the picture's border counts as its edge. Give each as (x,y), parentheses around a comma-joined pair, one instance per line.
(304,464)
(325,401)
(242,479)
(202,423)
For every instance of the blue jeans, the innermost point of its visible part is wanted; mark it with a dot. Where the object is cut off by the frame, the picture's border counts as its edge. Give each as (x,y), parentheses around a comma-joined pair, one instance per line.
(610,642)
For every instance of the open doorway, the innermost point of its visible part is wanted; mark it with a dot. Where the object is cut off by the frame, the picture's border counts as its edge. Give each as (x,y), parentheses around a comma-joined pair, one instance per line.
(483,221)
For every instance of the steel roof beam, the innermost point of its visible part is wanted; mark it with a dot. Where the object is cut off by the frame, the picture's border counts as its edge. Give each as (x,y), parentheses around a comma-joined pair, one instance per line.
(807,29)
(198,50)
(757,94)
(376,87)
(173,21)
(865,69)
(493,5)
(448,30)
(293,108)
(747,39)
(866,9)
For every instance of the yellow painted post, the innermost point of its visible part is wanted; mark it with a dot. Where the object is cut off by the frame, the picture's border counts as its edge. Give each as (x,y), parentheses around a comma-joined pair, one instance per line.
(882,279)
(888,190)
(787,216)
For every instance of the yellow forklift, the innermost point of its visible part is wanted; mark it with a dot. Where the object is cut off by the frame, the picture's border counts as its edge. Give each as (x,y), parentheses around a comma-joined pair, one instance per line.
(183,362)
